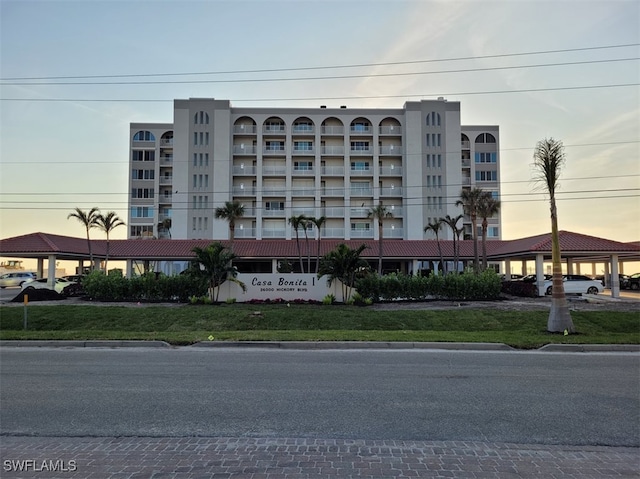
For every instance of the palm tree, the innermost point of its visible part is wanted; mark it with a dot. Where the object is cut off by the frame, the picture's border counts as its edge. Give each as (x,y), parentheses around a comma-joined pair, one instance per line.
(469,200)
(90,220)
(215,262)
(380,213)
(343,264)
(318,222)
(453,224)
(548,160)
(108,223)
(296,222)
(435,227)
(231,211)
(487,207)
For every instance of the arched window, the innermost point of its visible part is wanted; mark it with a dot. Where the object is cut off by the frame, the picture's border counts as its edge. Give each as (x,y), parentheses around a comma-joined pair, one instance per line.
(144,136)
(201,118)
(433,119)
(485,138)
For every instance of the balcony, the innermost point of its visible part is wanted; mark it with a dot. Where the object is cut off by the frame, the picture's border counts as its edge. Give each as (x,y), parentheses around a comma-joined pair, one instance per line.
(245,232)
(466,145)
(466,181)
(162,217)
(393,232)
(333,232)
(333,212)
(165,199)
(396,211)
(274,232)
(273,151)
(249,212)
(303,129)
(361,192)
(335,150)
(303,151)
(361,172)
(390,130)
(274,191)
(244,170)
(391,191)
(358,233)
(166,180)
(360,130)
(244,150)
(466,162)
(391,170)
(244,129)
(335,192)
(166,142)
(244,191)
(332,171)
(269,170)
(273,213)
(358,212)
(361,152)
(303,191)
(303,211)
(391,150)
(303,171)
(332,130)
(166,159)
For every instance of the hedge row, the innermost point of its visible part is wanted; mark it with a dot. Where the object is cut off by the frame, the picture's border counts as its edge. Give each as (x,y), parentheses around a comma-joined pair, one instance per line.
(465,286)
(148,287)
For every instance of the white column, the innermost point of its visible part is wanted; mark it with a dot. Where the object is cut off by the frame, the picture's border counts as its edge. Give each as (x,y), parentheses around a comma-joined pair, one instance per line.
(40,268)
(540,274)
(415,266)
(569,266)
(274,265)
(615,279)
(507,269)
(129,271)
(51,271)
(607,275)
(524,267)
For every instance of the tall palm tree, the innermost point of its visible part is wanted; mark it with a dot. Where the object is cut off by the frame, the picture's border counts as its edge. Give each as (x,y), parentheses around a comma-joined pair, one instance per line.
(296,222)
(487,207)
(343,264)
(469,200)
(231,211)
(453,224)
(90,220)
(380,213)
(318,222)
(108,223)
(548,160)
(435,228)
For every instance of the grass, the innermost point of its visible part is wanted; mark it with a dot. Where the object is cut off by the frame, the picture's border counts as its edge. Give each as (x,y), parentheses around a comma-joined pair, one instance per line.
(185,324)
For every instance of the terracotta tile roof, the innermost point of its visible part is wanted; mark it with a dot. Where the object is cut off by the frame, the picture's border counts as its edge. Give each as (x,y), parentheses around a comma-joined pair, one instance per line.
(65,247)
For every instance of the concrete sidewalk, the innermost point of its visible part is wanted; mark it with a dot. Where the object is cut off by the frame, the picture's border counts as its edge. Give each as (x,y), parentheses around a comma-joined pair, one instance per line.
(280,458)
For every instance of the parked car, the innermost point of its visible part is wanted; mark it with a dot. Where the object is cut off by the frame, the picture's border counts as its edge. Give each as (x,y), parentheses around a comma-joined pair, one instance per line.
(59,286)
(512,277)
(15,279)
(622,278)
(634,281)
(576,284)
(531,278)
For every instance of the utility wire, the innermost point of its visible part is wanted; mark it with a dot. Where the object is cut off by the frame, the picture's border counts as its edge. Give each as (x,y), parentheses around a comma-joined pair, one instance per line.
(325,67)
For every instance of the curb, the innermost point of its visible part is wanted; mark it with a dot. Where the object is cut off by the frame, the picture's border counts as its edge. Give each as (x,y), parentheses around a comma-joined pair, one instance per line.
(83,344)
(353,345)
(590,348)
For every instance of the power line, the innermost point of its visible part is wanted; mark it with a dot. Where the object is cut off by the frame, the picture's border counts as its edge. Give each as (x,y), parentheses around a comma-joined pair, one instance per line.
(327,67)
(374,97)
(324,78)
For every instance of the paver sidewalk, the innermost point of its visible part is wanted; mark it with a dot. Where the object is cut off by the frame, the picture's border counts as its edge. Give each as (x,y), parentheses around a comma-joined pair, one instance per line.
(274,458)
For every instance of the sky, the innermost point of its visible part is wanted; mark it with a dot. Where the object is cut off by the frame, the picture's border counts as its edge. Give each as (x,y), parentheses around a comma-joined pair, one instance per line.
(539,69)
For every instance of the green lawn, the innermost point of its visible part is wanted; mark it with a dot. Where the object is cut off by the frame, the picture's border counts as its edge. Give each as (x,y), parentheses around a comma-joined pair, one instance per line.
(186,324)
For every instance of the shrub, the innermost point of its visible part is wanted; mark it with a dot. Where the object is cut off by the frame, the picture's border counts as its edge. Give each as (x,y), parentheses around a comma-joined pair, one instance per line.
(329,299)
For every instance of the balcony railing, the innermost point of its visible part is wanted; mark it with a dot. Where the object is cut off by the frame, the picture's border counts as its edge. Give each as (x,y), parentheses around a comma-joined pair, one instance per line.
(244,191)
(466,181)
(244,150)
(356,233)
(163,199)
(360,130)
(303,211)
(388,191)
(354,152)
(167,159)
(356,172)
(393,232)
(274,170)
(273,151)
(332,150)
(303,129)
(303,191)
(466,145)
(391,150)
(332,171)
(333,212)
(249,212)
(390,130)
(466,162)
(244,170)
(358,212)
(303,151)
(396,211)
(272,213)
(274,232)
(303,171)
(339,192)
(246,129)
(166,180)
(361,192)
(332,130)
(245,232)
(274,191)
(166,142)
(391,170)
(333,232)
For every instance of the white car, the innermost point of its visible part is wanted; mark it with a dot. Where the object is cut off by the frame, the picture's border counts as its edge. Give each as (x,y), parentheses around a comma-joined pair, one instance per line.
(59,285)
(576,284)
(15,279)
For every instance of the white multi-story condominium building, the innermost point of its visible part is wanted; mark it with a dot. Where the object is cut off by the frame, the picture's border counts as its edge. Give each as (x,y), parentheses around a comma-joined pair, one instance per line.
(331,162)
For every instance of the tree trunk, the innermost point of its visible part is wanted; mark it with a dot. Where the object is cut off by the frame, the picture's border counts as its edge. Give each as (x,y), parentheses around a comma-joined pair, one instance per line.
(559,316)
(474,235)
(380,247)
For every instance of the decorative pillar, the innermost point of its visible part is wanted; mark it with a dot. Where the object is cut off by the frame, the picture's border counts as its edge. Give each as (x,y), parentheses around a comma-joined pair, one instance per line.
(51,271)
(569,266)
(540,274)
(40,268)
(615,279)
(507,269)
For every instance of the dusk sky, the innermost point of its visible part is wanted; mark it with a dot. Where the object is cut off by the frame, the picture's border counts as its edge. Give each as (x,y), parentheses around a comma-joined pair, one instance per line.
(76,73)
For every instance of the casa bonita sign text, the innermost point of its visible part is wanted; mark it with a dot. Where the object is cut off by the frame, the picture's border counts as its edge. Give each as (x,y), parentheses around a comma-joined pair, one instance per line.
(289,287)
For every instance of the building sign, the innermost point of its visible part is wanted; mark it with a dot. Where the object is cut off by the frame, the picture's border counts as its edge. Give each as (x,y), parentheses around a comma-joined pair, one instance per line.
(286,286)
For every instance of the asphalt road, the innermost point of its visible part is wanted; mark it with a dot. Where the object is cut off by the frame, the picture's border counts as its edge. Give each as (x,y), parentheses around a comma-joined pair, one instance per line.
(513,397)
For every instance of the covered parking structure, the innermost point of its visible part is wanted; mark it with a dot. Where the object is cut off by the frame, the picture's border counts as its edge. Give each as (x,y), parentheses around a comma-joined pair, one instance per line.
(408,256)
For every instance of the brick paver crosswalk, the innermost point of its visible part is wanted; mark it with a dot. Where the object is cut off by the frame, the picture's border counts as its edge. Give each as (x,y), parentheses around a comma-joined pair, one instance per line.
(276,458)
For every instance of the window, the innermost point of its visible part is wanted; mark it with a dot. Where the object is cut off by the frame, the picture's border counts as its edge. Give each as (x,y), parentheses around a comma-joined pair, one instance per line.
(439,161)
(303,126)
(142,193)
(143,174)
(359,166)
(202,118)
(485,138)
(486,176)
(303,145)
(433,119)
(360,226)
(143,155)
(141,230)
(486,157)
(493,231)
(360,127)
(144,136)
(275,145)
(274,205)
(303,166)
(359,146)
(142,211)
(195,159)
(206,159)
(195,181)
